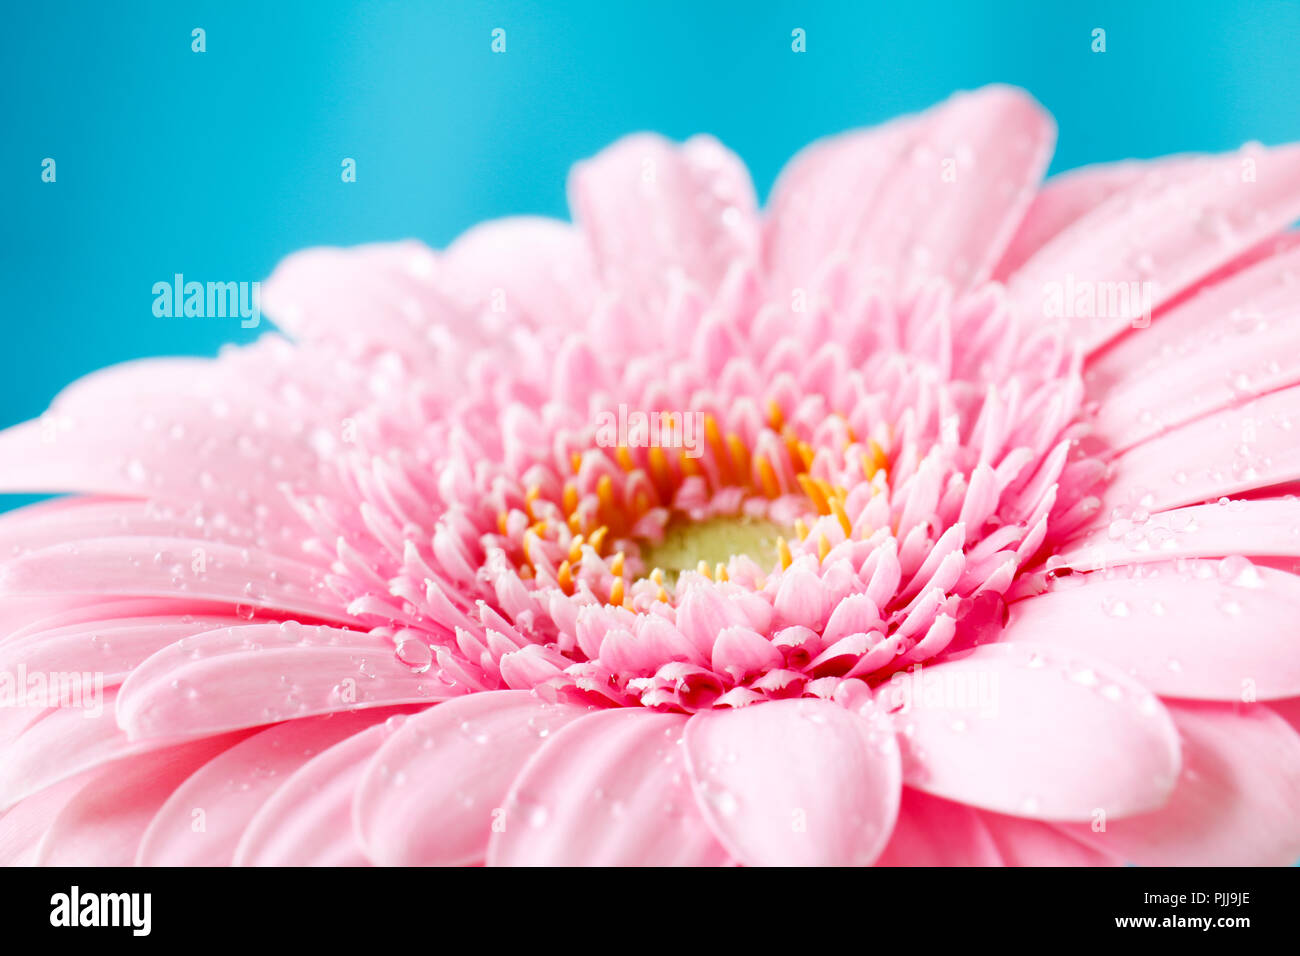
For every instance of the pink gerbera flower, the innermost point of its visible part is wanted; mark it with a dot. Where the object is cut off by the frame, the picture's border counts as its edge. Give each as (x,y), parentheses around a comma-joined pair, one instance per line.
(879,527)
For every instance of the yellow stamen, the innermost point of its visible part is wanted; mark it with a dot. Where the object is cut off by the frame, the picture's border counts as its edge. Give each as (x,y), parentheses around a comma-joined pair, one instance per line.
(616,565)
(837,509)
(877,454)
(598,538)
(783,552)
(564,577)
(739,456)
(659,469)
(800,528)
(703,568)
(774,417)
(616,592)
(624,457)
(823,547)
(828,492)
(814,493)
(714,438)
(767,478)
(721,572)
(605,494)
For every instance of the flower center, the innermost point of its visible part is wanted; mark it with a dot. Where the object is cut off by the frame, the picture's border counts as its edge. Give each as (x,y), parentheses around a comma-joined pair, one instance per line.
(709,546)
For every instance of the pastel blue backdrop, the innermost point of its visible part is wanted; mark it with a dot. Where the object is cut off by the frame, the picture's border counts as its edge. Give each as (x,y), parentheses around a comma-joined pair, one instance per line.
(218,164)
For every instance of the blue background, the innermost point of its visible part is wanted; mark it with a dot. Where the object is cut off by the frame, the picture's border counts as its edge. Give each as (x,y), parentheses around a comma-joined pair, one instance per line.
(218,164)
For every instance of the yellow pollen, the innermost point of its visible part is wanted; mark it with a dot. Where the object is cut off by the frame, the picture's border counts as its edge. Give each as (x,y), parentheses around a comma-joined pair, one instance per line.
(570,501)
(703,568)
(598,538)
(625,458)
(823,547)
(575,549)
(800,528)
(720,573)
(564,577)
(616,592)
(783,551)
(616,565)
(529,497)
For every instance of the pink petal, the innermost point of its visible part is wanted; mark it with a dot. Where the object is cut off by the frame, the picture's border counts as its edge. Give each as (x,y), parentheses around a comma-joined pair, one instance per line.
(66,741)
(308,820)
(265,673)
(205,816)
(111,648)
(433,791)
(795,782)
(1268,527)
(1235,801)
(1174,233)
(1200,630)
(608,789)
(1225,453)
(935,195)
(525,268)
(317,294)
(652,209)
(1066,198)
(195,569)
(180,431)
(23,826)
(1030,731)
(1233,340)
(935,832)
(102,825)
(1022,842)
